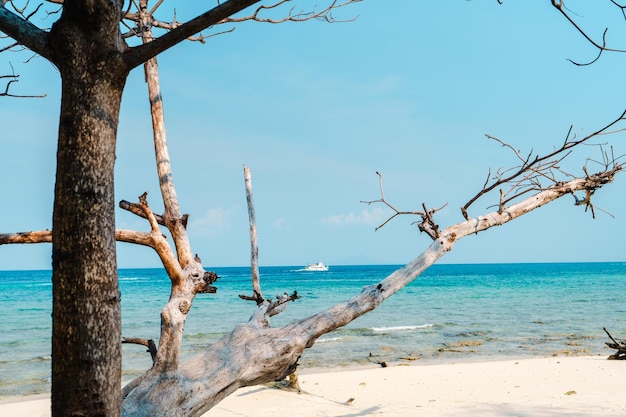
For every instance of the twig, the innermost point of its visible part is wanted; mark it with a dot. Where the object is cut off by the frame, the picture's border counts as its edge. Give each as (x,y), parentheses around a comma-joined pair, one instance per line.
(427,224)
(280,304)
(527,176)
(13,78)
(560,6)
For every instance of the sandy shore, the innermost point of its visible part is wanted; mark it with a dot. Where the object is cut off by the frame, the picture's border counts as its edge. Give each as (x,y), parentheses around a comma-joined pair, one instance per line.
(561,386)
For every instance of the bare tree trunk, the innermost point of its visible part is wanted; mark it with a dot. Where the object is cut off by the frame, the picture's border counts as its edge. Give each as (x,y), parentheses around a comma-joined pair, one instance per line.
(86,356)
(179,267)
(86,338)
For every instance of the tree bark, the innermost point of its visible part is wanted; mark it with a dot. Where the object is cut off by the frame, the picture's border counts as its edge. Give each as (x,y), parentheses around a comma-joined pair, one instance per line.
(86,317)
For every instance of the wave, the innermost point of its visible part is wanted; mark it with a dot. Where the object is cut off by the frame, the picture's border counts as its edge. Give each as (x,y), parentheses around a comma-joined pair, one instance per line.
(203,336)
(35,359)
(126,279)
(402,328)
(329,339)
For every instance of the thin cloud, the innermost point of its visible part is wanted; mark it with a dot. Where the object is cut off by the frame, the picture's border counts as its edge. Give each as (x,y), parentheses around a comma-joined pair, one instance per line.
(214,222)
(280,223)
(369,217)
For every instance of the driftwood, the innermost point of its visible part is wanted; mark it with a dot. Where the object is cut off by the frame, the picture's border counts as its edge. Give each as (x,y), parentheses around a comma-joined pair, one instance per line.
(620,345)
(373,359)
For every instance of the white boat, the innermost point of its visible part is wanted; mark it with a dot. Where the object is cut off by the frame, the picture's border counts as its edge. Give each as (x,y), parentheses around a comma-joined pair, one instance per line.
(316,267)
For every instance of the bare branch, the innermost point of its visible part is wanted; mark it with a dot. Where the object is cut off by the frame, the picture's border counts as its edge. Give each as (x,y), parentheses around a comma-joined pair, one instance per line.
(527,177)
(620,345)
(140,54)
(40,236)
(149,343)
(138,210)
(134,237)
(426,225)
(45,236)
(154,239)
(293,16)
(222,14)
(560,6)
(25,33)
(268,308)
(13,78)
(385,202)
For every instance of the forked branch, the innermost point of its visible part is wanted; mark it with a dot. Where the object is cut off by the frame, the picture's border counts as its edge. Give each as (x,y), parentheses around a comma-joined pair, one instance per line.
(535,174)
(176,31)
(427,224)
(601,47)
(535,170)
(10,81)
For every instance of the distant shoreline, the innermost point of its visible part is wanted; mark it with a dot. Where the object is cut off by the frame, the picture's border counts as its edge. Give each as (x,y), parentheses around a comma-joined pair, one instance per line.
(297,266)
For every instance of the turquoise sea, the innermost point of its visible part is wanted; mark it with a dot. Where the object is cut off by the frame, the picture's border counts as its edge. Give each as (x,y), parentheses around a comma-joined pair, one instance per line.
(451,313)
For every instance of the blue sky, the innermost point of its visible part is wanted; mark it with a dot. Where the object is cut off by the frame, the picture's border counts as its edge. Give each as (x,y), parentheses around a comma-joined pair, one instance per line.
(407,89)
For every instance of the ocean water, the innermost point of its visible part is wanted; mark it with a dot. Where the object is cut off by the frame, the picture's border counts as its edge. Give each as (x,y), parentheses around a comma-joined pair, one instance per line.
(451,313)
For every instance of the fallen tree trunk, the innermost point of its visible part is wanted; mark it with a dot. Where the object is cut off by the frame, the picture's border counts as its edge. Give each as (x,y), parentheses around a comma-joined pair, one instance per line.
(254,353)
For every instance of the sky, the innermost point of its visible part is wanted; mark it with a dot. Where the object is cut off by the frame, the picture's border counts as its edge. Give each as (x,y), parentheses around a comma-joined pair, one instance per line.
(405,88)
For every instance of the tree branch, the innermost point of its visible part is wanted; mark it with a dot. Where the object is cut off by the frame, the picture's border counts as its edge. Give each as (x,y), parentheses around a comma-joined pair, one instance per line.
(14,79)
(40,236)
(140,54)
(426,225)
(526,177)
(301,16)
(560,6)
(137,210)
(149,343)
(25,33)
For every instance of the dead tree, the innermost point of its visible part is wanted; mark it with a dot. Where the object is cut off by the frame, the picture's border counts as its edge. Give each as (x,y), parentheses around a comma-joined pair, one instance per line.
(253,352)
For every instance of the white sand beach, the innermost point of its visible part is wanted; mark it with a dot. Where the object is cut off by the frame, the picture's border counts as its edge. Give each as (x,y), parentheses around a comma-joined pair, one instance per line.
(555,386)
